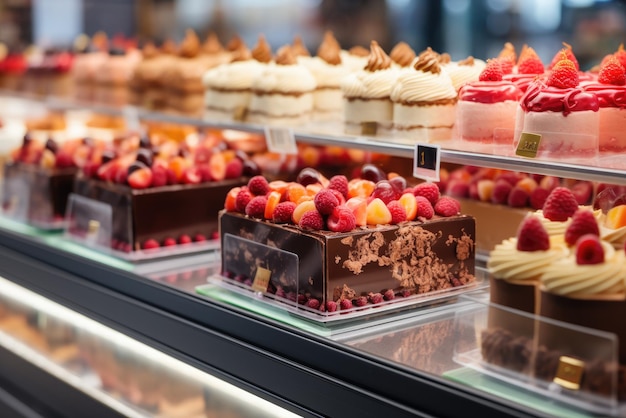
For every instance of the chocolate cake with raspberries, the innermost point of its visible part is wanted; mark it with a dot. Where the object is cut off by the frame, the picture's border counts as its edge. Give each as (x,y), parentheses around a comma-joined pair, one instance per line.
(330,245)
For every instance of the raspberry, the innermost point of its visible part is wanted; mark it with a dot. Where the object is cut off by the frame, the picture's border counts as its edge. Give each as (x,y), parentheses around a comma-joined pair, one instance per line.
(312,219)
(560,205)
(340,198)
(280,292)
(150,244)
(301,299)
(500,193)
(406,293)
(428,190)
(341,220)
(331,306)
(375,298)
(313,303)
(529,62)
(612,73)
(256,207)
(424,208)
(283,211)
(538,198)
(345,304)
(518,198)
(325,201)
(169,242)
(184,239)
(389,295)
(589,250)
(564,74)
(532,236)
(339,183)
(447,206)
(583,223)
(258,186)
(241,201)
(492,72)
(569,54)
(360,301)
(398,213)
(234,169)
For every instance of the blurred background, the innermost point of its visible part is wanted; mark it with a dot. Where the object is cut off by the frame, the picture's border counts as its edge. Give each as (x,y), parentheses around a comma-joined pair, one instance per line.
(459,27)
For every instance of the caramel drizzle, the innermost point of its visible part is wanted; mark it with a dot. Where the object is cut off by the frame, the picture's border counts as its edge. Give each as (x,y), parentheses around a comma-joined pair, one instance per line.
(190,46)
(358,51)
(212,44)
(169,47)
(378,59)
(402,54)
(149,50)
(329,50)
(285,56)
(298,48)
(469,61)
(262,51)
(428,62)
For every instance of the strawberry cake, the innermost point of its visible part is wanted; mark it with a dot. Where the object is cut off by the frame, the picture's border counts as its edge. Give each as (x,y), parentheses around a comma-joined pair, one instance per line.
(353,244)
(486,109)
(611,92)
(529,68)
(562,113)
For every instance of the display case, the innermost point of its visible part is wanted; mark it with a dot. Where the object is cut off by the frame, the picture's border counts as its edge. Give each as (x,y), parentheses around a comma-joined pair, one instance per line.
(401,364)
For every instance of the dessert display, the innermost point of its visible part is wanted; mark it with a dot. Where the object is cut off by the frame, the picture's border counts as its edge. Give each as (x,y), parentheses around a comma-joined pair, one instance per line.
(228,87)
(486,109)
(282,94)
(147,82)
(353,244)
(424,101)
(86,66)
(562,113)
(366,93)
(611,92)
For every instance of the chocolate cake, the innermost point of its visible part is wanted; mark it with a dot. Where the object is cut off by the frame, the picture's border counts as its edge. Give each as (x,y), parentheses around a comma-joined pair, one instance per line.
(326,270)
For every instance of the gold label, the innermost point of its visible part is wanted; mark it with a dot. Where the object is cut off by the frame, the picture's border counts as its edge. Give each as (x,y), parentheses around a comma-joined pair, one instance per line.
(261,279)
(92,230)
(528,145)
(369,128)
(569,373)
(240,113)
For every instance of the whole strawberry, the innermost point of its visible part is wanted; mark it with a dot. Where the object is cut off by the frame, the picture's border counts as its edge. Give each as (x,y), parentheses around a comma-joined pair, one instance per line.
(612,73)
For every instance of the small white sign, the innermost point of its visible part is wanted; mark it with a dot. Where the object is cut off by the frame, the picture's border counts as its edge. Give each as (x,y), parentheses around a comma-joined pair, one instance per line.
(281,140)
(427,162)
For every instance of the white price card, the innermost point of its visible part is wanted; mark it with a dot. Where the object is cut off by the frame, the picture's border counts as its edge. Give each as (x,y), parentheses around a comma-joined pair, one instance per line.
(131,118)
(427,161)
(281,140)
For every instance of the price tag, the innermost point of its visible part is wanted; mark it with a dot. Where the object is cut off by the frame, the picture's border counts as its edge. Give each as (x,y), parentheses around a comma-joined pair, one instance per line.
(280,140)
(569,374)
(426,162)
(261,279)
(369,128)
(528,145)
(131,118)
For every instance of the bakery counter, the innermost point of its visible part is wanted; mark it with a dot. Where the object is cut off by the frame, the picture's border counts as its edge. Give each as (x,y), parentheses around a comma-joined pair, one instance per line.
(364,370)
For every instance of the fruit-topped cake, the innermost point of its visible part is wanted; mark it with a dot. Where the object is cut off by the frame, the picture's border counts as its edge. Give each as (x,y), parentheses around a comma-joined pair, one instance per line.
(367,105)
(508,58)
(162,193)
(39,179)
(563,114)
(486,108)
(611,92)
(464,71)
(329,245)
(424,101)
(529,69)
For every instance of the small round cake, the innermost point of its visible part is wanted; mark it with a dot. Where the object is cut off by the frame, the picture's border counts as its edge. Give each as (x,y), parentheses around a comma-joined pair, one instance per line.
(529,68)
(465,71)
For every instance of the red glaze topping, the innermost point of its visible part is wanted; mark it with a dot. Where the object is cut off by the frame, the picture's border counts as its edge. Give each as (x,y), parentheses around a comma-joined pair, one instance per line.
(542,98)
(490,92)
(608,95)
(522,80)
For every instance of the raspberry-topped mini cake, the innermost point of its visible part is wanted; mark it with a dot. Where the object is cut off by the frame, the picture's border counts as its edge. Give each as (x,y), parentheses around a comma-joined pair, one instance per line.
(611,91)
(486,108)
(352,244)
(529,69)
(562,113)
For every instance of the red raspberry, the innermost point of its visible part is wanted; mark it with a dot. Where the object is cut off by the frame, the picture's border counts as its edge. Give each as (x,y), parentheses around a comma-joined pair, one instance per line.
(375,298)
(341,220)
(389,294)
(312,219)
(538,198)
(361,301)
(492,72)
(564,74)
(424,208)
(589,250)
(325,201)
(447,206)
(620,55)
(169,242)
(398,213)
(583,223)
(184,239)
(501,190)
(339,183)
(518,197)
(150,244)
(241,201)
(560,205)
(313,303)
(256,207)
(345,304)
(612,73)
(532,236)
(529,62)
(283,211)
(428,190)
(331,306)
(234,169)
(258,186)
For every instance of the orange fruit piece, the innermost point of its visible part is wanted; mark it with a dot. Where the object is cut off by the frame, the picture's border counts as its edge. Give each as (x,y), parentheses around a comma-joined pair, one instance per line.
(409,203)
(273,199)
(358,206)
(294,192)
(279,186)
(178,165)
(301,209)
(616,217)
(231,197)
(361,188)
(378,213)
(313,189)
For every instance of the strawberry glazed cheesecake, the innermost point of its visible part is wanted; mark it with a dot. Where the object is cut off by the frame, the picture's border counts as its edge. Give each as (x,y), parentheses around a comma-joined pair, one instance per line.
(353,243)
(529,68)
(562,113)
(486,109)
